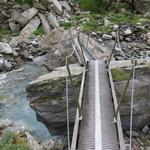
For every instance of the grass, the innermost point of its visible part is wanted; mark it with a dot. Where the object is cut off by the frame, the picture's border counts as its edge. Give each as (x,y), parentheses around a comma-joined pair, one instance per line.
(9,143)
(3,32)
(39,31)
(119,74)
(95,22)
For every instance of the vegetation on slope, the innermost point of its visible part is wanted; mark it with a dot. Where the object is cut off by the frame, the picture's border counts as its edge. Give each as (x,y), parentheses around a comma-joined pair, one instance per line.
(13,142)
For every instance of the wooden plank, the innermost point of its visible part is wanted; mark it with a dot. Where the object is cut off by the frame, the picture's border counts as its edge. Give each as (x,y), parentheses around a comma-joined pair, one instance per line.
(77,120)
(119,126)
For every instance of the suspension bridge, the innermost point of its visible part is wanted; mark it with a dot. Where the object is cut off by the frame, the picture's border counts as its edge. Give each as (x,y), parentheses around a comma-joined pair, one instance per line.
(96,127)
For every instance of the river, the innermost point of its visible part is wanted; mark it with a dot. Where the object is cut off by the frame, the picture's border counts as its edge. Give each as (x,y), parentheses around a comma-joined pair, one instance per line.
(14,105)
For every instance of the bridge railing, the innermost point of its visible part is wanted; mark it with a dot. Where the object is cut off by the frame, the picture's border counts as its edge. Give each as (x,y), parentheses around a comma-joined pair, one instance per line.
(78,49)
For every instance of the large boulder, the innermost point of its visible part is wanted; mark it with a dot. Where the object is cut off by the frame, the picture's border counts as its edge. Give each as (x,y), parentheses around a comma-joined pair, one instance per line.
(6,49)
(53,20)
(45,24)
(47,96)
(26,16)
(142,6)
(30,28)
(58,44)
(141,111)
(57,7)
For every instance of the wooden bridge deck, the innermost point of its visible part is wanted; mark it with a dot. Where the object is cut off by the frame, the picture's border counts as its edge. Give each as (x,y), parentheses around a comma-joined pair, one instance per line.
(97,130)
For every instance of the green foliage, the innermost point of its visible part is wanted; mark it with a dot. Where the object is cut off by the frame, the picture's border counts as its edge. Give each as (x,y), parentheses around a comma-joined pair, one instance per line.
(66,25)
(4,32)
(7,143)
(24,2)
(39,31)
(119,74)
(119,18)
(94,5)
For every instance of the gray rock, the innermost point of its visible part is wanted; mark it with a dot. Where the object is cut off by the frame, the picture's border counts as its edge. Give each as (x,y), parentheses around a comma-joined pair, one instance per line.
(8,66)
(94,33)
(39,6)
(26,55)
(100,40)
(148,42)
(3,1)
(15,14)
(14,42)
(25,7)
(106,37)
(45,24)
(30,28)
(146,129)
(14,27)
(26,16)
(141,111)
(52,20)
(127,31)
(47,97)
(114,34)
(6,49)
(57,7)
(56,142)
(1,65)
(51,39)
(148,35)
(65,5)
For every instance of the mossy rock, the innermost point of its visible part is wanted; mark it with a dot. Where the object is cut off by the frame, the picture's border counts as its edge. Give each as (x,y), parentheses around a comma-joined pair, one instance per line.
(21,138)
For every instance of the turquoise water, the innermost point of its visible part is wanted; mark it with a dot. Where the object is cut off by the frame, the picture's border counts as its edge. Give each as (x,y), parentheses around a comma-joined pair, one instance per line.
(14,105)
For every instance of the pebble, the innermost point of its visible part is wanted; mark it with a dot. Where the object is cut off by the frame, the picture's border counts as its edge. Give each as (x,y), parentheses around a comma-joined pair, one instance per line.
(100,40)
(94,33)
(145,129)
(127,32)
(106,37)
(113,34)
(8,66)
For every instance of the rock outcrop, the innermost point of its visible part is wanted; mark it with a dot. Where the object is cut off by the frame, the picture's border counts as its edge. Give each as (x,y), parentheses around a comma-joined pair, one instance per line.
(30,28)
(141,111)
(47,97)
(26,16)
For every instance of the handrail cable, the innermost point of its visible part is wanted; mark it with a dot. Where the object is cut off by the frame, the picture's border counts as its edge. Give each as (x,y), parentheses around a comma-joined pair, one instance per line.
(67,94)
(124,90)
(132,101)
(112,52)
(122,95)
